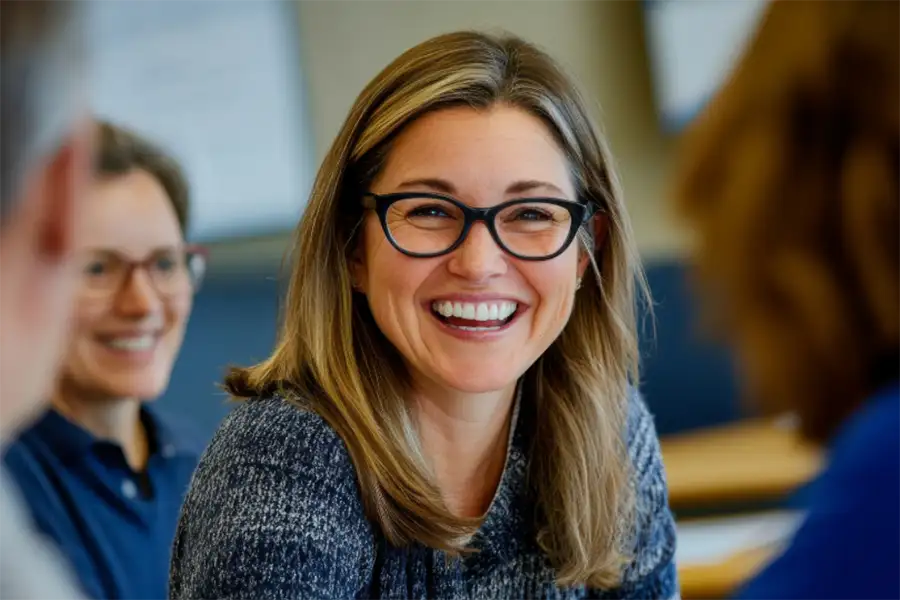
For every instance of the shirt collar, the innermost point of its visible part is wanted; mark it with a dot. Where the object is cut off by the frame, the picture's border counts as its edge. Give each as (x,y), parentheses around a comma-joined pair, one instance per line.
(165,438)
(68,439)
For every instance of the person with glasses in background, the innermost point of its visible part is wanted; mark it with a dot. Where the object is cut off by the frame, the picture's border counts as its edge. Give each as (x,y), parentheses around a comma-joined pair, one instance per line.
(103,472)
(45,165)
(450,410)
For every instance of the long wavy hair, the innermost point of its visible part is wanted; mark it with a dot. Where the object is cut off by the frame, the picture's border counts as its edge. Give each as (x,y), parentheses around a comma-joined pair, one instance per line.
(332,358)
(791,180)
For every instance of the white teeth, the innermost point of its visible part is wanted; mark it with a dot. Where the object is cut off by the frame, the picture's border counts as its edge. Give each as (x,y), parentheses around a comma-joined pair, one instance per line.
(494,312)
(133,344)
(483,311)
(464,328)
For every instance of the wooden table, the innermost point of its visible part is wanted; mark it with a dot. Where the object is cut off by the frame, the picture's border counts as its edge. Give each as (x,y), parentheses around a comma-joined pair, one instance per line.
(750,461)
(722,579)
(716,555)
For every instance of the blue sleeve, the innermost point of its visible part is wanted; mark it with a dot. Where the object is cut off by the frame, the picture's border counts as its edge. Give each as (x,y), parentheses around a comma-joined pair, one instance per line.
(849,544)
(651,572)
(272,512)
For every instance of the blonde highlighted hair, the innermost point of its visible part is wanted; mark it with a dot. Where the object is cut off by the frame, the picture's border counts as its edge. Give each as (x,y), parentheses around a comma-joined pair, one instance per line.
(332,358)
(791,179)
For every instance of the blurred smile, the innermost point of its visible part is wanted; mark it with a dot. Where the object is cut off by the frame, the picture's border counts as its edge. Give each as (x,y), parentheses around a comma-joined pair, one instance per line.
(134,347)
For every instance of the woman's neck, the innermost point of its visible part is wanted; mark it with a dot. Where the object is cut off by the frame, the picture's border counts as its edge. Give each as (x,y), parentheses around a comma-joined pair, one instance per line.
(117,420)
(464,438)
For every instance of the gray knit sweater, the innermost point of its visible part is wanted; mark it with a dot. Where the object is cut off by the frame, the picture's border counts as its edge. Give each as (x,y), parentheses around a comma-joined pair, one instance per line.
(274,511)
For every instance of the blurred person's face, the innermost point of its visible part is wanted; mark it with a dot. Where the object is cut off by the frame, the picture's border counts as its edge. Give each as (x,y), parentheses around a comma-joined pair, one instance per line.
(475,319)
(135,292)
(38,278)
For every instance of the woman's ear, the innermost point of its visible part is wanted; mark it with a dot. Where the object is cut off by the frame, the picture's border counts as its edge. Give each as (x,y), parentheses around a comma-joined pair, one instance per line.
(358,271)
(600,227)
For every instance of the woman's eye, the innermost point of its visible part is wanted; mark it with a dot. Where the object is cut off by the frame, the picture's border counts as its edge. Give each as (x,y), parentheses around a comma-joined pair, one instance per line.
(427,211)
(95,268)
(164,264)
(530,214)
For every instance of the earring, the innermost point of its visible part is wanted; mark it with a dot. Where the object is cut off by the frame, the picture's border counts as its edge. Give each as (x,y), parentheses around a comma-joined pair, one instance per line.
(578,283)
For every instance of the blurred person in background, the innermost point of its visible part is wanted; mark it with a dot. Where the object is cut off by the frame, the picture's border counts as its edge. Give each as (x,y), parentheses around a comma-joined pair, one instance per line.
(103,472)
(449,411)
(45,156)
(792,181)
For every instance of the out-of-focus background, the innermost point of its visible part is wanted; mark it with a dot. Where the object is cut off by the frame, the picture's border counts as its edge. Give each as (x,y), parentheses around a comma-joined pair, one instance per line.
(250,95)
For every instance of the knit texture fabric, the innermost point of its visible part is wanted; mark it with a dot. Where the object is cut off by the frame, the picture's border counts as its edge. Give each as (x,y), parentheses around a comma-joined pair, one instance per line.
(274,511)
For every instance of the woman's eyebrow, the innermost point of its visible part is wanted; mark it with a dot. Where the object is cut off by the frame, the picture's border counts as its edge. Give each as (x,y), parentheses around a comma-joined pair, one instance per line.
(444,186)
(441,185)
(529,185)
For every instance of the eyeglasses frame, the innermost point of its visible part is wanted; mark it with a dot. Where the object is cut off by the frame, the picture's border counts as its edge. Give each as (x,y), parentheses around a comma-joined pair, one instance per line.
(189,251)
(581,214)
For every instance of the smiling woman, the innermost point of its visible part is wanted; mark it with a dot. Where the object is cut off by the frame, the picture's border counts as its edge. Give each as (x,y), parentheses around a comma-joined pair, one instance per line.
(448,412)
(103,471)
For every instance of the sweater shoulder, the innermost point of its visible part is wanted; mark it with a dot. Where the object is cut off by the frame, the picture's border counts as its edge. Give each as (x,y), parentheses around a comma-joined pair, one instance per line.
(276,435)
(280,428)
(276,497)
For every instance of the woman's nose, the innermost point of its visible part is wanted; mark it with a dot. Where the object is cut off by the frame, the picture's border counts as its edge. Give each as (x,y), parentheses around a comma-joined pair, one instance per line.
(138,296)
(478,258)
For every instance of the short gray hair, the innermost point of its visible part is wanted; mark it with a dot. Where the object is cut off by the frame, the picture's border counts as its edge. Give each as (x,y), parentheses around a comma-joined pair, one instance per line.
(42,60)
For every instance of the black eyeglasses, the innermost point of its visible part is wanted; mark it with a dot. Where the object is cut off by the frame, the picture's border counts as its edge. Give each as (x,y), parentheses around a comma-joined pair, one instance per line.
(425,225)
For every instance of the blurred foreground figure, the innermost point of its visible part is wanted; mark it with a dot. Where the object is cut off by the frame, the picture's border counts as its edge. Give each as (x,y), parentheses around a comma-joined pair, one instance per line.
(791,181)
(103,471)
(44,168)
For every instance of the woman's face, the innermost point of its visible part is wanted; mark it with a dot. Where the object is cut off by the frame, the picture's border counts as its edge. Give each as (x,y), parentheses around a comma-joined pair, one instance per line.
(130,320)
(482,158)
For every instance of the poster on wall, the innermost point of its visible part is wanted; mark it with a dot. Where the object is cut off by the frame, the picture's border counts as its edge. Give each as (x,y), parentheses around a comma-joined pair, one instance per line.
(218,85)
(693,45)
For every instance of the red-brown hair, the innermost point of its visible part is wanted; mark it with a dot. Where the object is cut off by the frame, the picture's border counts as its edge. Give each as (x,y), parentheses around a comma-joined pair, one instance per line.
(790,180)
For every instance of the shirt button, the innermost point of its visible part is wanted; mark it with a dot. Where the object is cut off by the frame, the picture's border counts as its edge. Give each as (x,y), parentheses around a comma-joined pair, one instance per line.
(129,489)
(168,451)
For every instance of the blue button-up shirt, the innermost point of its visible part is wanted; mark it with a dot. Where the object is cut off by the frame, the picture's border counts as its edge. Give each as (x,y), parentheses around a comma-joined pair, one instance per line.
(114,525)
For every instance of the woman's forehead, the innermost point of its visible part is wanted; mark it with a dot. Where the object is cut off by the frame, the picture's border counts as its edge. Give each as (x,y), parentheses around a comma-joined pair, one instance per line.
(131,211)
(477,151)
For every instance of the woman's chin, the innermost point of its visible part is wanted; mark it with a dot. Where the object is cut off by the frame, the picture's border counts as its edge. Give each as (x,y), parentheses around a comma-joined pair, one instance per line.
(476,382)
(148,388)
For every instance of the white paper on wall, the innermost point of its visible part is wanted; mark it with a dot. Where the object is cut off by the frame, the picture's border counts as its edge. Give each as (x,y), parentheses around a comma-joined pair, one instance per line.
(693,45)
(218,84)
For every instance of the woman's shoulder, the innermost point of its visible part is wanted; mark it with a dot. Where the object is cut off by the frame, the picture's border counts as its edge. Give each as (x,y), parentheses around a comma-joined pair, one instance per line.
(290,449)
(265,415)
(275,497)
(864,456)
(869,438)
(261,417)
(286,435)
